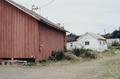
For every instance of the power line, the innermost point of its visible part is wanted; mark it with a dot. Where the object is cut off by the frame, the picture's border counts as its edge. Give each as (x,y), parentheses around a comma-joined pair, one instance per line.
(44,5)
(40,7)
(47,4)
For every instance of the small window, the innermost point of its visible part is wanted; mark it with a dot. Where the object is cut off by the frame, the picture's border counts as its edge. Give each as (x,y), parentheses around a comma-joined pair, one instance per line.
(87,43)
(71,45)
(100,42)
(104,42)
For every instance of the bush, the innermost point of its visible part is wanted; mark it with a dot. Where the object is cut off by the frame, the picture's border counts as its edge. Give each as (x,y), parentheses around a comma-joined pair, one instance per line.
(115,44)
(78,51)
(118,47)
(57,55)
(87,53)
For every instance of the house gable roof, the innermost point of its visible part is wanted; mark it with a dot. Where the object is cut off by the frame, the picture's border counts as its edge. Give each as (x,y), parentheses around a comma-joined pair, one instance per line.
(97,36)
(74,38)
(93,35)
(35,15)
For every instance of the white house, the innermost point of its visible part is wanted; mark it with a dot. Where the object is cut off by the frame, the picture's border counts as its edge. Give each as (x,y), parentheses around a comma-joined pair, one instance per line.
(88,41)
(111,41)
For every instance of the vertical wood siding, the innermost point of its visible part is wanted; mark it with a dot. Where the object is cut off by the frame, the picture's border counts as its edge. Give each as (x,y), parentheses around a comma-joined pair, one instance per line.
(19,36)
(22,37)
(50,40)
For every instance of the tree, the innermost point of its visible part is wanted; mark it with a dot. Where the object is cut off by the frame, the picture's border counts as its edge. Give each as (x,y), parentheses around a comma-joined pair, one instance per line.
(116,34)
(108,35)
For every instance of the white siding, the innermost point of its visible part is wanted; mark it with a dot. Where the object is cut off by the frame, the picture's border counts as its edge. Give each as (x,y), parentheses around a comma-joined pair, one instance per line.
(110,41)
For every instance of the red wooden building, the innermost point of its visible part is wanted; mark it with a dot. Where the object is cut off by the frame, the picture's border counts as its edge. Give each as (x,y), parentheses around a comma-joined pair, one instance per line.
(25,34)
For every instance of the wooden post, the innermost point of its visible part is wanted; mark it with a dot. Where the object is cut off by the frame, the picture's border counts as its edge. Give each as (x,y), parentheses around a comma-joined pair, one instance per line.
(12,61)
(36,61)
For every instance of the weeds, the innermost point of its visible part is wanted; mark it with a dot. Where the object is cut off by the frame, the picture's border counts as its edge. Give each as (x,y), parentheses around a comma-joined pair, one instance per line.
(71,57)
(85,53)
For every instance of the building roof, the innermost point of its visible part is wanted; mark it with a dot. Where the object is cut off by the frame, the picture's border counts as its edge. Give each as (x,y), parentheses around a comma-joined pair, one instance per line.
(72,37)
(97,36)
(35,15)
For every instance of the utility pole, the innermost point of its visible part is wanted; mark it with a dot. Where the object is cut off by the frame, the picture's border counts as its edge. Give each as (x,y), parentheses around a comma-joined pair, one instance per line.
(105,31)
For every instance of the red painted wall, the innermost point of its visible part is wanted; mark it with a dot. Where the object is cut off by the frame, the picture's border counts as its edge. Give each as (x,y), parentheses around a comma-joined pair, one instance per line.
(22,37)
(50,40)
(19,36)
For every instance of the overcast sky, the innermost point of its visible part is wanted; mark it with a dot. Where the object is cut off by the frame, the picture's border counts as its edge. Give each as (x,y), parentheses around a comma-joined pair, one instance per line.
(80,16)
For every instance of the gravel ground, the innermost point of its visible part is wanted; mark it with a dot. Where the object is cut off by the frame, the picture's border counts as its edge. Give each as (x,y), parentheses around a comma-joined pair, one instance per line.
(94,69)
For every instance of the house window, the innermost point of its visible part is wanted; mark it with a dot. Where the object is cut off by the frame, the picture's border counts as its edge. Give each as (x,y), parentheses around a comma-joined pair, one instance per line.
(71,45)
(87,43)
(104,42)
(100,42)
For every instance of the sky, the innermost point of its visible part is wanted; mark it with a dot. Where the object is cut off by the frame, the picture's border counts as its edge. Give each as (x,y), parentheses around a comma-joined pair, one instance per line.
(80,16)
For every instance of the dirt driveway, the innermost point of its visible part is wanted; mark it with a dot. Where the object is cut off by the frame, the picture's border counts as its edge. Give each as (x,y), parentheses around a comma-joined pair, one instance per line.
(95,69)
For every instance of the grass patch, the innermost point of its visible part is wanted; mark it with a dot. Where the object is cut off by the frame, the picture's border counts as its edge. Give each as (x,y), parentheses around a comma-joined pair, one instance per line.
(71,57)
(112,69)
(108,53)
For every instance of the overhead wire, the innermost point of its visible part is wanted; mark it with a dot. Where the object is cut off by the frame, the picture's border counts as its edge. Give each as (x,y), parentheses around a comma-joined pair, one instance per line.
(44,5)
(47,3)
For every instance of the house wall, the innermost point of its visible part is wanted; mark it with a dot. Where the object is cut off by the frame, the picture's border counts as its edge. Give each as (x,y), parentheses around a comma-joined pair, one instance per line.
(110,41)
(72,45)
(94,43)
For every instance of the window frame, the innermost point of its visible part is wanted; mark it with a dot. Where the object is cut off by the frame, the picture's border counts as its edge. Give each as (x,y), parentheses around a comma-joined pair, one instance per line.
(87,43)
